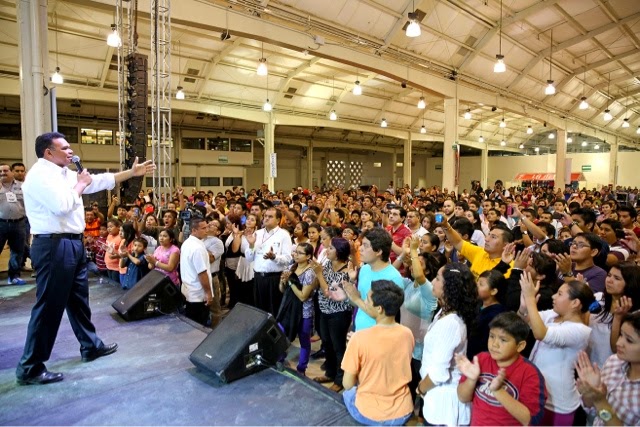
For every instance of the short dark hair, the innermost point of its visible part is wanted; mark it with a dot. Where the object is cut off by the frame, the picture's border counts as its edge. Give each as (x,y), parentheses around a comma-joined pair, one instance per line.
(386,294)
(622,208)
(463,226)
(587,215)
(380,241)
(402,211)
(544,264)
(548,229)
(512,324)
(195,222)
(342,247)
(507,235)
(16,164)
(142,241)
(45,141)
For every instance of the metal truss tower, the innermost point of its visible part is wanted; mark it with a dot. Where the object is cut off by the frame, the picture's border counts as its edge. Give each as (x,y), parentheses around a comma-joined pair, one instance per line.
(161,141)
(124,25)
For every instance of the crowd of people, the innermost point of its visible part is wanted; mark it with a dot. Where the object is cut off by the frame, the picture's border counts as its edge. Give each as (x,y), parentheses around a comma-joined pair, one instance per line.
(501,307)
(482,307)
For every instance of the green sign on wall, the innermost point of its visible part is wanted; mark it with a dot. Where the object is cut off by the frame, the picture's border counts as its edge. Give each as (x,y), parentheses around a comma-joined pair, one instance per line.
(586,168)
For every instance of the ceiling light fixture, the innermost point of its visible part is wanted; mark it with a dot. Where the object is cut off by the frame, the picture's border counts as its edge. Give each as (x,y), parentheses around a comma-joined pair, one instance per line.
(500,66)
(503,124)
(114,39)
(583,101)
(383,123)
(357,89)
(584,143)
(529,130)
(552,135)
(596,147)
(607,113)
(262,64)
(503,143)
(56,78)
(180,92)
(413,29)
(423,129)
(569,140)
(550,89)
(638,130)
(481,139)
(625,123)
(421,103)
(537,149)
(467,114)
(333,115)
(521,146)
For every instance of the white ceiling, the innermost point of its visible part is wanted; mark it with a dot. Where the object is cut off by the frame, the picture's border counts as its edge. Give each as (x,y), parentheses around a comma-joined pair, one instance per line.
(593,41)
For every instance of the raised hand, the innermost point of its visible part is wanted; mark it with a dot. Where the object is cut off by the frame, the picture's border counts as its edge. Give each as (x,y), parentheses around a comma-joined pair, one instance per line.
(414,243)
(406,247)
(317,267)
(337,293)
(623,306)
(352,271)
(522,259)
(270,254)
(469,369)
(566,219)
(563,261)
(529,288)
(508,253)
(251,239)
(589,382)
(285,275)
(351,290)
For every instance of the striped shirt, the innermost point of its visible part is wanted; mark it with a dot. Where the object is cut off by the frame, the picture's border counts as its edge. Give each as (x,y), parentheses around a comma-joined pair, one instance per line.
(623,394)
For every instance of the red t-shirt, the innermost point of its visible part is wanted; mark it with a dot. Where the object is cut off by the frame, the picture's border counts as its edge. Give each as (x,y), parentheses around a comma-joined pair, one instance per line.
(398,237)
(523,382)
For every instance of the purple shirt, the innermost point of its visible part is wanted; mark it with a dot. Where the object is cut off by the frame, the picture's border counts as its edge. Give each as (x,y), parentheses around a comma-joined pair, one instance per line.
(594,276)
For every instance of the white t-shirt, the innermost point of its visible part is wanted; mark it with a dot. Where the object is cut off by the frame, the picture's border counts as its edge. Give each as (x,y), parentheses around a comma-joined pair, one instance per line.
(599,348)
(215,247)
(556,356)
(194,259)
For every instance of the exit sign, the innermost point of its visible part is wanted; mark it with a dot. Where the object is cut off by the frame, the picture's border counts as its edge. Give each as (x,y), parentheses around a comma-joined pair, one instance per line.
(586,168)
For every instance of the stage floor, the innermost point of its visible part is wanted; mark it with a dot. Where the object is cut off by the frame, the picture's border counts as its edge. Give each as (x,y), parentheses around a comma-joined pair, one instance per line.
(149,380)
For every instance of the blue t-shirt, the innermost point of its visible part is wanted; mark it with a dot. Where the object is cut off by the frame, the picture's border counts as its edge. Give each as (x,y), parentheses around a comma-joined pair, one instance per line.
(135,272)
(365,277)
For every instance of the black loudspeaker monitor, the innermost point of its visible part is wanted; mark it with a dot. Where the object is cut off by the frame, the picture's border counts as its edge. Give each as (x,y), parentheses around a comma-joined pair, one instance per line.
(246,341)
(153,295)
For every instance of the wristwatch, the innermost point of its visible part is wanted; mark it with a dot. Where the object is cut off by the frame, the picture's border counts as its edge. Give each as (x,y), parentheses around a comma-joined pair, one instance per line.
(525,232)
(605,415)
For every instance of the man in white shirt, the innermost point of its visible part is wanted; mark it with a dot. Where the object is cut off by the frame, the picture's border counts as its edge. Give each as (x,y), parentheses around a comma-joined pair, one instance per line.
(53,202)
(12,222)
(414,223)
(270,250)
(215,247)
(195,271)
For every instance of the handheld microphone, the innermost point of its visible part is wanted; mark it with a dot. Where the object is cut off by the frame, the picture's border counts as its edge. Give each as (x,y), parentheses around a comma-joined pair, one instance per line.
(76,161)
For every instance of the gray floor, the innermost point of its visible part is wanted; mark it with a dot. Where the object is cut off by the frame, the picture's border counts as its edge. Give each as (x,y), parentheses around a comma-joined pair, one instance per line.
(149,380)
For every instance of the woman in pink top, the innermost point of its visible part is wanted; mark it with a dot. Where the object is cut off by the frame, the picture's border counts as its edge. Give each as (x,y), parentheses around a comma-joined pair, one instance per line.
(166,256)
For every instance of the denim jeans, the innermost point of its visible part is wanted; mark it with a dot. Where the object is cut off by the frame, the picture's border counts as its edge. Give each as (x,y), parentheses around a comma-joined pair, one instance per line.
(349,397)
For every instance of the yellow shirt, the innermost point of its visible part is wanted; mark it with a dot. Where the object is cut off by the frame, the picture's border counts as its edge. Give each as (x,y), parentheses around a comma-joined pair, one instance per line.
(479,259)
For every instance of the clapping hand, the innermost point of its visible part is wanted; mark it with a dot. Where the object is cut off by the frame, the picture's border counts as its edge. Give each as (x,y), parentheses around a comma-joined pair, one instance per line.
(270,255)
(469,369)
(589,382)
(522,259)
(508,253)
(352,271)
(623,306)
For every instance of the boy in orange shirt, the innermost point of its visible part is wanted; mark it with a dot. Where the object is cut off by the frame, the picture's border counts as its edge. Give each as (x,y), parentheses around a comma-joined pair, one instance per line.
(378,359)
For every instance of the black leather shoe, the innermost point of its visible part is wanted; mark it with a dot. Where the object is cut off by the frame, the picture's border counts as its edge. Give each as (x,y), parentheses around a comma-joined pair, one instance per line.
(44,378)
(104,351)
(320,354)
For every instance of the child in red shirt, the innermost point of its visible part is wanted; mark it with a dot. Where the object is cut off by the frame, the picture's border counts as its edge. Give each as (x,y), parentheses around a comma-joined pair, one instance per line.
(503,387)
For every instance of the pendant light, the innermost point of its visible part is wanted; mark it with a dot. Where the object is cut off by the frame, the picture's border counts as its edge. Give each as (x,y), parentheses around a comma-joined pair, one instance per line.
(607,113)
(262,64)
(114,39)
(638,130)
(521,146)
(481,139)
(500,66)
(537,149)
(503,124)
(529,130)
(467,114)
(421,103)
(552,135)
(180,92)
(625,122)
(56,78)
(423,129)
(596,147)
(267,105)
(503,142)
(413,29)
(550,89)
(583,101)
(357,89)
(569,140)
(383,123)
(333,115)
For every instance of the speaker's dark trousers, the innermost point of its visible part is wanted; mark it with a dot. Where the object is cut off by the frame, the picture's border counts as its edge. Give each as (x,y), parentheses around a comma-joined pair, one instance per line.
(62,283)
(267,292)
(15,234)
